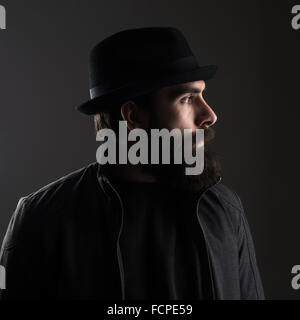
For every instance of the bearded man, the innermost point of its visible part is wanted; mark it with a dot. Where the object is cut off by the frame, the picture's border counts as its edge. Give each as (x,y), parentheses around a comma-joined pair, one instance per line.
(144,231)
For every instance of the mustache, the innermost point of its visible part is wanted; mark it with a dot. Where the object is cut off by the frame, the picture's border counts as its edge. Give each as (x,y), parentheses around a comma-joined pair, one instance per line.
(209,134)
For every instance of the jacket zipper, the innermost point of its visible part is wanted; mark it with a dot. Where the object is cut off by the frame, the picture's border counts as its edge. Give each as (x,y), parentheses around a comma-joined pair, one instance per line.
(119,254)
(206,241)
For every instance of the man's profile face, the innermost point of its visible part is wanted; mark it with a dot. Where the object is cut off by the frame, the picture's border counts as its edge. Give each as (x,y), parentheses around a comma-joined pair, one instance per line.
(183,106)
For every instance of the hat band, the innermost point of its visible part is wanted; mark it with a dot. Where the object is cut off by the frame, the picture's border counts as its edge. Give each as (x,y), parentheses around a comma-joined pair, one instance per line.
(177,66)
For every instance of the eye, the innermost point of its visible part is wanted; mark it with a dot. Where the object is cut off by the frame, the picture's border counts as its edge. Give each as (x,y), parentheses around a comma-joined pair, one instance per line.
(190,98)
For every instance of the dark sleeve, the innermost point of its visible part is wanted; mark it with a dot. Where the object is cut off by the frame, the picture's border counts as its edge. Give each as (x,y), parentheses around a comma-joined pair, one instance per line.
(250,280)
(19,256)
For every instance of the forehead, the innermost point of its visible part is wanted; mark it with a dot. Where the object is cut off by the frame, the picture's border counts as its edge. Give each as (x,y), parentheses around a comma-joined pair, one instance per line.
(171,92)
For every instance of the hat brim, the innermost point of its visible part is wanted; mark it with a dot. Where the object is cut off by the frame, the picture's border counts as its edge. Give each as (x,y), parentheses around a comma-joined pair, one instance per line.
(116,97)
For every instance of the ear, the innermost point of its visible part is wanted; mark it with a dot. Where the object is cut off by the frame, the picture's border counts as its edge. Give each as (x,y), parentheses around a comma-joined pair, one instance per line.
(135,116)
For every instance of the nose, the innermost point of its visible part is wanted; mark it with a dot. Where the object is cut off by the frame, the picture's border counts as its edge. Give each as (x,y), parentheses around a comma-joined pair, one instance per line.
(205,117)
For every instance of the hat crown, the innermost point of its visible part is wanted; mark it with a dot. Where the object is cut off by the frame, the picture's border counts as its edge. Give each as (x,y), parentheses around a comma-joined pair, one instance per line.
(137,61)
(130,54)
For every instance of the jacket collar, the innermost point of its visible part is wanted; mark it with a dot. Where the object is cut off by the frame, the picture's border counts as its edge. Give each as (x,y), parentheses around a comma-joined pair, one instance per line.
(104,180)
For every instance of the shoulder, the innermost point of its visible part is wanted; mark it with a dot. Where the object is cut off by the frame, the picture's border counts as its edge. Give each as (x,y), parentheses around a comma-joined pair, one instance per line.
(65,191)
(227,195)
(42,209)
(228,205)
(68,184)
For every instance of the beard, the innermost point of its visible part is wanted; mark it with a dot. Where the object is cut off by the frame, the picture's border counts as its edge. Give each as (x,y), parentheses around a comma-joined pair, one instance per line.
(174,175)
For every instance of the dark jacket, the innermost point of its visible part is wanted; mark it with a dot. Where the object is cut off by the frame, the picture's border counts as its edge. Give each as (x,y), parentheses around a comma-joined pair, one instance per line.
(62,242)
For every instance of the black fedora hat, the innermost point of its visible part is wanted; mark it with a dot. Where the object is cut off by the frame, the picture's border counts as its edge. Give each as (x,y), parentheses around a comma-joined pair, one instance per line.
(137,61)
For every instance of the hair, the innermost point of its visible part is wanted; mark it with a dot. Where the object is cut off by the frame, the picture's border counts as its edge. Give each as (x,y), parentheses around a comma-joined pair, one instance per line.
(110,119)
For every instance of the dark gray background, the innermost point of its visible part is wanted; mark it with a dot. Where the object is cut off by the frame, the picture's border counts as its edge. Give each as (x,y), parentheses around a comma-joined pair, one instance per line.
(43,75)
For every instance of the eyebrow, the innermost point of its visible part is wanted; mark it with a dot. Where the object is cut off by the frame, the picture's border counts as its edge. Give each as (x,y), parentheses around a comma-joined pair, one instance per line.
(183,90)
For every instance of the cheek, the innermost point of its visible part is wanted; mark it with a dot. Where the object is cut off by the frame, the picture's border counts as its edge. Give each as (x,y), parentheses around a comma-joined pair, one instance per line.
(176,116)
(183,117)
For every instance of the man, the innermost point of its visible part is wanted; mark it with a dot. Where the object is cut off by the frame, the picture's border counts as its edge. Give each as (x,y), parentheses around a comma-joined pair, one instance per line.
(128,231)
